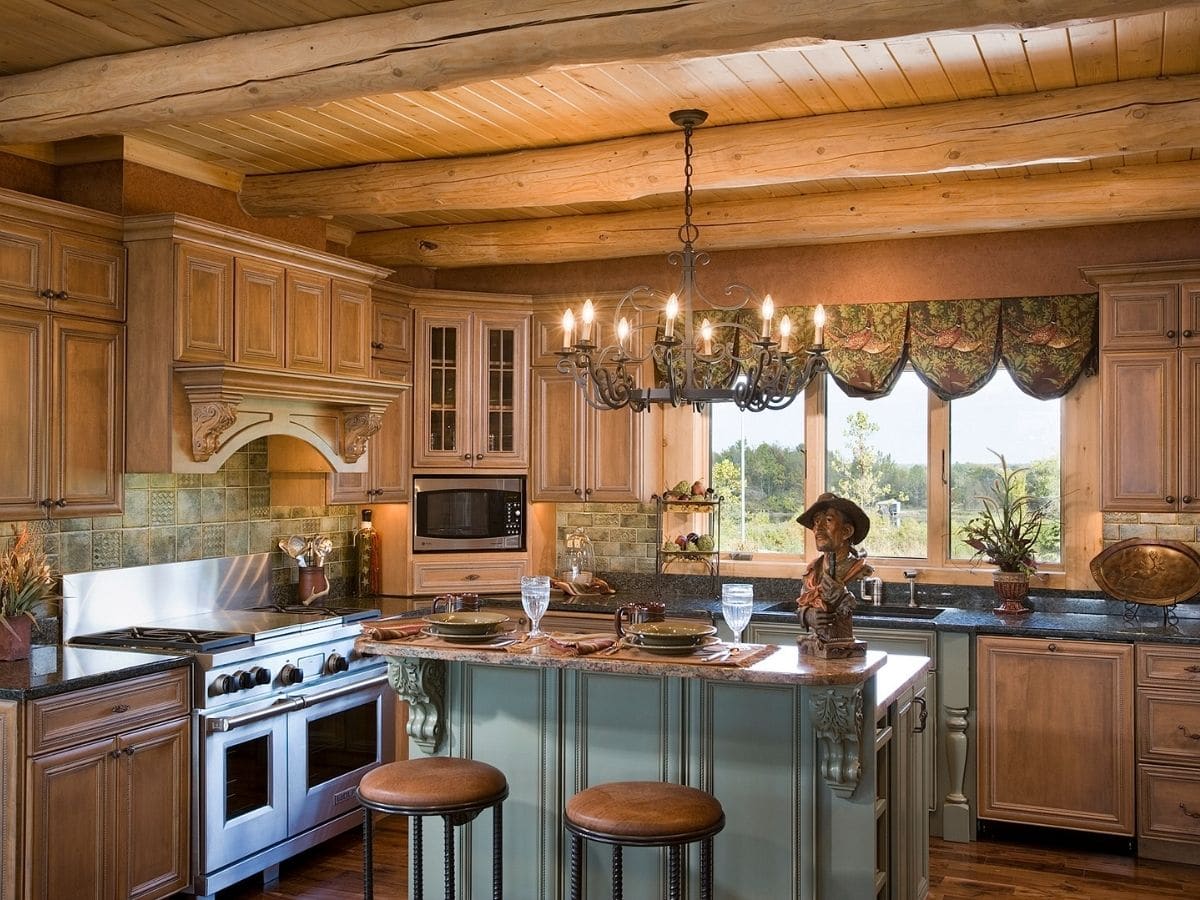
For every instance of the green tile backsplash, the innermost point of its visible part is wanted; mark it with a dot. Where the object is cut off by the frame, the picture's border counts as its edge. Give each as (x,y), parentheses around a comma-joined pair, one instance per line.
(169,518)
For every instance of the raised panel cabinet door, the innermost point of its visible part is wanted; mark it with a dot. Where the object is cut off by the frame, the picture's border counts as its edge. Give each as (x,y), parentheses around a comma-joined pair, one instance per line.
(203,305)
(87,416)
(391,331)
(1189,431)
(389,450)
(259,302)
(307,323)
(70,811)
(23,419)
(441,425)
(87,276)
(501,388)
(1140,450)
(24,264)
(1139,316)
(1056,736)
(351,341)
(1189,314)
(559,436)
(614,461)
(152,834)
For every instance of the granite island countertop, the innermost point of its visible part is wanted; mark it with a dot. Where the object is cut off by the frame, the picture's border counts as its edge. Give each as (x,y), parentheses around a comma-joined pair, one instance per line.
(55,669)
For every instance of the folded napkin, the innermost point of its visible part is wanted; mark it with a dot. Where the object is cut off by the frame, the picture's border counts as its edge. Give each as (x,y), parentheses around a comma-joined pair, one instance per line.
(598,586)
(582,646)
(391,632)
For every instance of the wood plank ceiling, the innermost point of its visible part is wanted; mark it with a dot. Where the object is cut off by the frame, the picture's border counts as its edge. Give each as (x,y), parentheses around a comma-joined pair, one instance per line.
(949,129)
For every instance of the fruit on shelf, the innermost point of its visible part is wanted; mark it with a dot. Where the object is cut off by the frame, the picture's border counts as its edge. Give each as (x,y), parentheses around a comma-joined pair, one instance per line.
(681,541)
(705,543)
(697,489)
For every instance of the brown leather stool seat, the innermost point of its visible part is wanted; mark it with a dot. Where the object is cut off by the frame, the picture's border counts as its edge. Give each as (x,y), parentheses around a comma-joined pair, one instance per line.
(456,789)
(644,814)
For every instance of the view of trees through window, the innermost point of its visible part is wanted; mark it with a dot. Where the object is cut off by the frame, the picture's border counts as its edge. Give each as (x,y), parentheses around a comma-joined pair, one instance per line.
(878,455)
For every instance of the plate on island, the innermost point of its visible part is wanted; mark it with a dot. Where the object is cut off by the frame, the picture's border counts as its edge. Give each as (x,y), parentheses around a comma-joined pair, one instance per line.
(504,631)
(676,649)
(679,635)
(467,623)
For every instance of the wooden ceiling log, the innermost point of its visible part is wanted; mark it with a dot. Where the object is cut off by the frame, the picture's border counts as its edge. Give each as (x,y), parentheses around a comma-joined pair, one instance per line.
(456,42)
(1075,125)
(1126,194)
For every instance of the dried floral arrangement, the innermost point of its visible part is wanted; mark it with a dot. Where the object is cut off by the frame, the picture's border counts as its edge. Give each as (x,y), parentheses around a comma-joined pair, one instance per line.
(26,582)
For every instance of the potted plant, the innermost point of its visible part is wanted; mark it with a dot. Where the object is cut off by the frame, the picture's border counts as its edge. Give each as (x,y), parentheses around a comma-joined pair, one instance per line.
(1005,534)
(25,584)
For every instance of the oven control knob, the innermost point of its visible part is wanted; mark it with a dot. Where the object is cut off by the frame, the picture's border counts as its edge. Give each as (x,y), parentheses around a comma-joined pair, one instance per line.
(244,680)
(289,674)
(260,675)
(226,684)
(336,663)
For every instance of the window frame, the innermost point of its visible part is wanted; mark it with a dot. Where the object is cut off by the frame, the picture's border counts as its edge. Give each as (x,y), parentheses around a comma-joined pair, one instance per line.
(1080,474)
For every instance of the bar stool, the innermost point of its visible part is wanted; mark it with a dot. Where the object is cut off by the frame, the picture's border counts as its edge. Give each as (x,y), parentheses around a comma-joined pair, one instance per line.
(456,789)
(644,814)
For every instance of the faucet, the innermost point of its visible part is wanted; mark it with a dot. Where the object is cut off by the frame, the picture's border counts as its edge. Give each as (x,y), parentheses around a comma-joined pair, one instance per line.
(872,591)
(911,575)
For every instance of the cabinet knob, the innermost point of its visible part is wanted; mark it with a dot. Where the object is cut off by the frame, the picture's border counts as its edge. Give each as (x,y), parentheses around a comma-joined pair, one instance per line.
(1188,498)
(1187,332)
(129,751)
(1170,498)
(60,502)
(46,294)
(1052,648)
(115,754)
(578,492)
(61,295)
(467,456)
(479,456)
(376,345)
(1171,333)
(588,492)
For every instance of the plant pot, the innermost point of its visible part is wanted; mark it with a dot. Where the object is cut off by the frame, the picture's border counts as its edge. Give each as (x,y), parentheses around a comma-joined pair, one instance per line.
(15,646)
(1012,588)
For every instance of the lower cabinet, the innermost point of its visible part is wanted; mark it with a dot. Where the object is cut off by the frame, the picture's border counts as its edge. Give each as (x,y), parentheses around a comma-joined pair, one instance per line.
(902,822)
(107,813)
(1056,733)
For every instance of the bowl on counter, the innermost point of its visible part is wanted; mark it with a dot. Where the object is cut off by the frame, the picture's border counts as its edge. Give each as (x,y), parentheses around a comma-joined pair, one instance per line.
(669,634)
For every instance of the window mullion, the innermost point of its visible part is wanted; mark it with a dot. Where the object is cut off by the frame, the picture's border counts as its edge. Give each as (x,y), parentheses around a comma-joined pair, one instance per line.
(939,481)
(814,449)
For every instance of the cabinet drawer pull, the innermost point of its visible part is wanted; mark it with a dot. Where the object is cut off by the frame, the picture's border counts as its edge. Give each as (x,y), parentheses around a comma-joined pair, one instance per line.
(924,717)
(121,708)
(1171,333)
(1189,813)
(1053,648)
(474,576)
(1170,498)
(1195,670)
(1189,734)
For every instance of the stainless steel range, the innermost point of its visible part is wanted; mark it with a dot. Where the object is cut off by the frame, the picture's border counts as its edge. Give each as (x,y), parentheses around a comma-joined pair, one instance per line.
(286,717)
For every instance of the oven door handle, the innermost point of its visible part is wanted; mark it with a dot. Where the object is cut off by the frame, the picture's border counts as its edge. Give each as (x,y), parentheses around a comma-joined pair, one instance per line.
(314,699)
(229,723)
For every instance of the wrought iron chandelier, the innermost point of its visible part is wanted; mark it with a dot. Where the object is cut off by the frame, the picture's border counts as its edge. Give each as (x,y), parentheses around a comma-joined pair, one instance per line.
(756,369)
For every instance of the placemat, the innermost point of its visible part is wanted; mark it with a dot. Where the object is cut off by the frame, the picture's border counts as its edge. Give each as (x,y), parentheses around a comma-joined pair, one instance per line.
(718,654)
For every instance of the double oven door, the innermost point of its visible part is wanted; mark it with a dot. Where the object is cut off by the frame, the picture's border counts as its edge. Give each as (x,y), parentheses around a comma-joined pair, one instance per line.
(274,769)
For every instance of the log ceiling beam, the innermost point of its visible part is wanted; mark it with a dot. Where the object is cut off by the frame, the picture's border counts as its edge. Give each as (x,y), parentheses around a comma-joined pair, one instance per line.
(1068,126)
(455,42)
(1127,194)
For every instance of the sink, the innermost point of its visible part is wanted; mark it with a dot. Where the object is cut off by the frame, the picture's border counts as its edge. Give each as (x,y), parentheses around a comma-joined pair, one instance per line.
(867,612)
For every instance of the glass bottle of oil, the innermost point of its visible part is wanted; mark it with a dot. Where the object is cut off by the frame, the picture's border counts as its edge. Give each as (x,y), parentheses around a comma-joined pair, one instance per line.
(368,557)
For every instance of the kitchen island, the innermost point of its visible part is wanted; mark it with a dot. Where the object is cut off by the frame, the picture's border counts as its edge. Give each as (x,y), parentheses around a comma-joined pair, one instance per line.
(787,744)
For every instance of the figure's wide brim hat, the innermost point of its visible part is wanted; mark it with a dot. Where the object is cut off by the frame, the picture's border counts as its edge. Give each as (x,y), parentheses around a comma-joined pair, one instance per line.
(848,508)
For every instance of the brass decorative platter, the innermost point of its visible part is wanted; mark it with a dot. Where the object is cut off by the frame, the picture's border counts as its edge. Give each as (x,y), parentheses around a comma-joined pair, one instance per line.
(1150,572)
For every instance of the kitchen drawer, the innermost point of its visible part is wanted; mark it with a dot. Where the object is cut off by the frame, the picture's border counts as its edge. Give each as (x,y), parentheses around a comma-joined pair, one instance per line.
(105,710)
(468,572)
(1168,666)
(1169,804)
(1168,727)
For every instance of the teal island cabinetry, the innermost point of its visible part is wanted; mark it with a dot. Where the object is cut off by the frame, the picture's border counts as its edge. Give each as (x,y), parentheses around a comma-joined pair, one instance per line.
(787,745)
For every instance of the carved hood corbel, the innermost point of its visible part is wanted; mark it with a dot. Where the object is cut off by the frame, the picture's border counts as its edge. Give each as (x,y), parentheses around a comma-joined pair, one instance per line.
(228,405)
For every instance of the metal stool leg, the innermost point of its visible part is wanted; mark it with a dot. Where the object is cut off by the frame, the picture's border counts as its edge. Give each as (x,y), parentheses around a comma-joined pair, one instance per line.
(576,869)
(706,872)
(497,854)
(618,873)
(449,853)
(673,872)
(418,856)
(368,841)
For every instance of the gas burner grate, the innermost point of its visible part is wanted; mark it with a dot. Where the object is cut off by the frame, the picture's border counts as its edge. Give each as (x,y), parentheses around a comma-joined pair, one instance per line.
(200,640)
(345,613)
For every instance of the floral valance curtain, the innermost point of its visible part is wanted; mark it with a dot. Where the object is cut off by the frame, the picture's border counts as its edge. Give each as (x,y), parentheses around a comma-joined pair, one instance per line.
(1046,343)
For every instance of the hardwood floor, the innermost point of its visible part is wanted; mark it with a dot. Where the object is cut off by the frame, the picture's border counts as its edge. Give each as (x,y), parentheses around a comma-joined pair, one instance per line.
(958,872)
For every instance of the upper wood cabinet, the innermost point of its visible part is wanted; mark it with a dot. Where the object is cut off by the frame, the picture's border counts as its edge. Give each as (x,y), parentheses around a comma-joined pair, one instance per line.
(391,323)
(62,426)
(1056,733)
(61,258)
(260,311)
(471,387)
(350,338)
(1150,386)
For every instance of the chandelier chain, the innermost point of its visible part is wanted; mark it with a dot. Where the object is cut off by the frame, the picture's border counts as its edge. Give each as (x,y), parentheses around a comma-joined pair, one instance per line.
(687,232)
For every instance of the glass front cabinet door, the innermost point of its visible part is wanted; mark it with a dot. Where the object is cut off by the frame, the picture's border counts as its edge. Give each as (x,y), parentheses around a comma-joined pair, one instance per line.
(471,395)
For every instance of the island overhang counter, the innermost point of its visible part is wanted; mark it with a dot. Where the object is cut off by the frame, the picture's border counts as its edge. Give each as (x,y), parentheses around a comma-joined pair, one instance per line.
(786,744)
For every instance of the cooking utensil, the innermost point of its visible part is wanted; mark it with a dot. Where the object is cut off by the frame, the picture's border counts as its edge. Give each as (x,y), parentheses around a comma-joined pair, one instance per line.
(293,546)
(322,546)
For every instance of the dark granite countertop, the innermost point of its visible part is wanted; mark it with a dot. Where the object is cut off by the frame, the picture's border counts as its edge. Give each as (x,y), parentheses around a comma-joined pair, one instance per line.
(54,669)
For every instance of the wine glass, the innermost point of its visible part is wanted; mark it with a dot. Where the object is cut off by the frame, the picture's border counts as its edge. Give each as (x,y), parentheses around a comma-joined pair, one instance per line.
(535,598)
(737,603)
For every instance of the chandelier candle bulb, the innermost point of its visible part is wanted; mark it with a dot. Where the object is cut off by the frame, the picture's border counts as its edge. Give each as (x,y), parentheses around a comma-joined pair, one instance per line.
(706,337)
(568,329)
(672,312)
(785,334)
(589,316)
(768,313)
(819,325)
(623,333)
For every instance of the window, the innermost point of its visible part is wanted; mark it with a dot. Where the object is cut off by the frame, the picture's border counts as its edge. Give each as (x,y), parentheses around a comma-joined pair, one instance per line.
(999,418)
(877,454)
(915,463)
